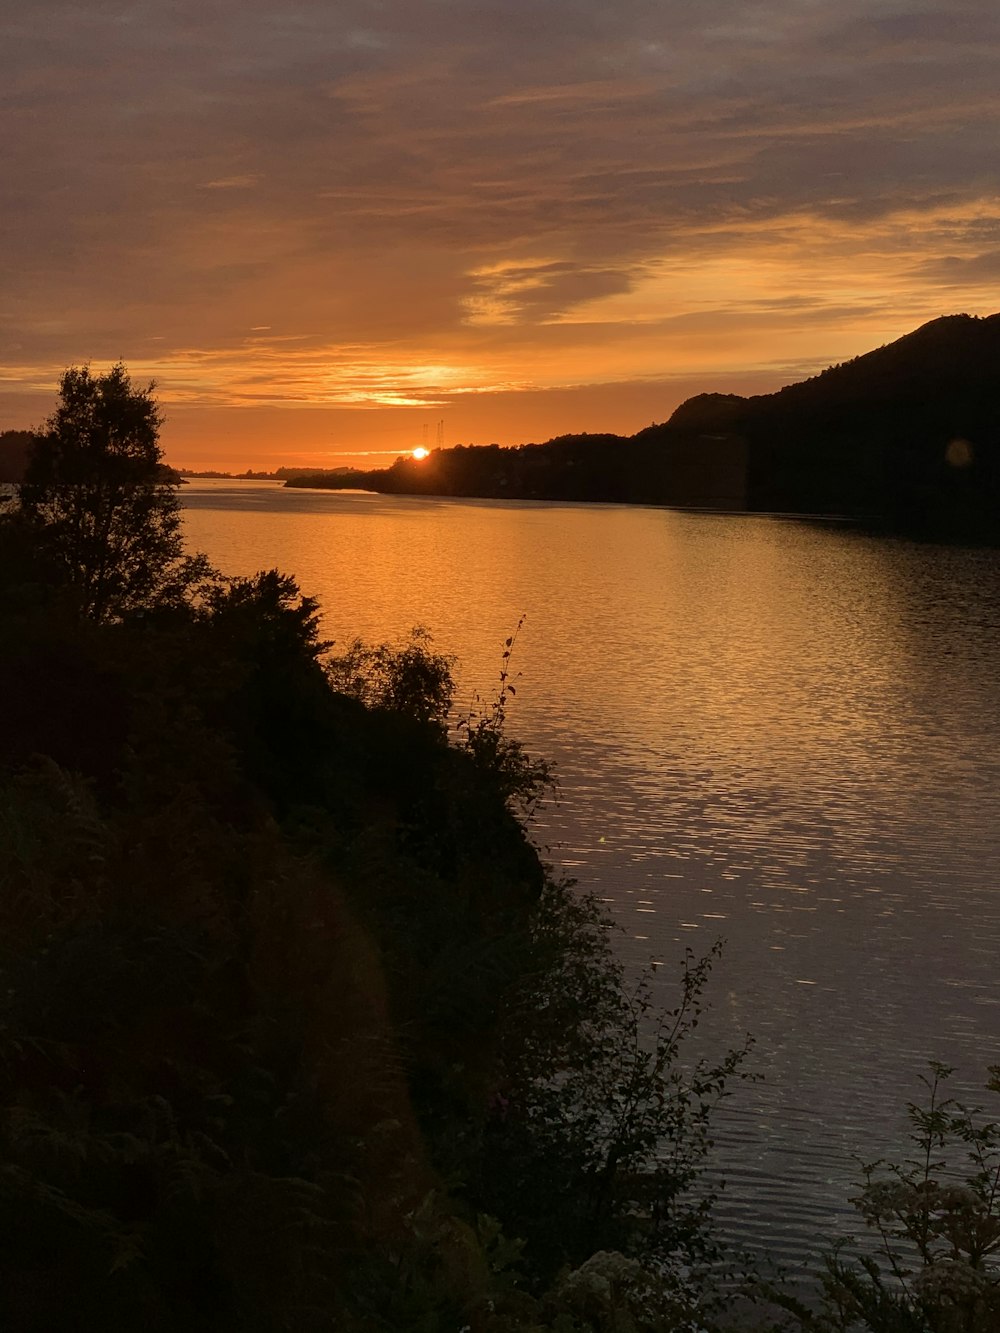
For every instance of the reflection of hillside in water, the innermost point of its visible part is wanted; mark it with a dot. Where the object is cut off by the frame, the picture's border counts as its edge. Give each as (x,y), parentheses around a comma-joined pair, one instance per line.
(781,733)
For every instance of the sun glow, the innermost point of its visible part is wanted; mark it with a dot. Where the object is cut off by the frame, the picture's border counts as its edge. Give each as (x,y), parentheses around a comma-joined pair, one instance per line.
(420,452)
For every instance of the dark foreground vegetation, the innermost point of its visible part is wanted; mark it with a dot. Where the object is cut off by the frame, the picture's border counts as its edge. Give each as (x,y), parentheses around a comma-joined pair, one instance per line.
(906,437)
(296,1031)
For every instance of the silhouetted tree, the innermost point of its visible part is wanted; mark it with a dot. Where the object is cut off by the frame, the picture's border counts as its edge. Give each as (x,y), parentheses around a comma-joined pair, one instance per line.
(101,502)
(15,446)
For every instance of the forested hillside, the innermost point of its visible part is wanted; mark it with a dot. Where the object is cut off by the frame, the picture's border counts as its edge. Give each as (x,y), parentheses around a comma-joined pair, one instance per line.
(906,437)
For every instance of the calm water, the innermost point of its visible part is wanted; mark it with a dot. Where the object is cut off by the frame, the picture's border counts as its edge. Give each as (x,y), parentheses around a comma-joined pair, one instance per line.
(781,733)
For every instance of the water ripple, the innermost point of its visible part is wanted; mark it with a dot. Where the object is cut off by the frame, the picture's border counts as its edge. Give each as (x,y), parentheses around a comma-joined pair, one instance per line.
(782,734)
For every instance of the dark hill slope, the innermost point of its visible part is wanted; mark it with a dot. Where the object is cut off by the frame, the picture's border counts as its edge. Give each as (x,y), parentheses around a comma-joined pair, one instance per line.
(876,435)
(907,436)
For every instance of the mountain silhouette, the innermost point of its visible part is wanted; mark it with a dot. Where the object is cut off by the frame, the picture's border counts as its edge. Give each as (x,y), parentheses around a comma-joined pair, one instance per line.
(950,364)
(906,436)
(908,433)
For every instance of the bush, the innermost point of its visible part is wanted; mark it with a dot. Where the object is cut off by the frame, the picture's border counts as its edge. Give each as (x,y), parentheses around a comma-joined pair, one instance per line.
(600,1125)
(936,1216)
(411,680)
(295,1029)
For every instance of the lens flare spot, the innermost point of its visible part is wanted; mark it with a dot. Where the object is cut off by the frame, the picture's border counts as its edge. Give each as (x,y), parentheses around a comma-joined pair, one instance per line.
(959,453)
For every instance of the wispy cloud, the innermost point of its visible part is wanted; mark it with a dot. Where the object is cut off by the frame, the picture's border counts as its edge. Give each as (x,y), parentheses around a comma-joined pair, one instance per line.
(403,205)
(243,182)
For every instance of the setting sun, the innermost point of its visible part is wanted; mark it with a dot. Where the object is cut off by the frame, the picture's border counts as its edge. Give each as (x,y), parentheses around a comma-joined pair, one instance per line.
(420,452)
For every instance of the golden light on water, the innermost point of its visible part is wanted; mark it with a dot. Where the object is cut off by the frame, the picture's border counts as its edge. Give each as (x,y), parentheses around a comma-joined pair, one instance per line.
(420,452)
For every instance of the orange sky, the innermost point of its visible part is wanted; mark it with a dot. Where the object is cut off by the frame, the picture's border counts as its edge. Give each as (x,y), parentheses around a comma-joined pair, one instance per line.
(322,228)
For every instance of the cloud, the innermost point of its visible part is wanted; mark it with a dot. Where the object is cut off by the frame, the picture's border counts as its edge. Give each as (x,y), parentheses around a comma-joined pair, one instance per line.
(243,182)
(520,291)
(388,203)
(963,271)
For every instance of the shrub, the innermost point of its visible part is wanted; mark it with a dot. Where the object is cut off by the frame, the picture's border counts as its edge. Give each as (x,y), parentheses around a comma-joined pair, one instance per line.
(936,1217)
(295,1029)
(411,679)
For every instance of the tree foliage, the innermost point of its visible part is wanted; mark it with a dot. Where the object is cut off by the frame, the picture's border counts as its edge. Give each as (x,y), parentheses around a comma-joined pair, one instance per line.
(410,678)
(296,1031)
(293,1026)
(98,499)
(935,1218)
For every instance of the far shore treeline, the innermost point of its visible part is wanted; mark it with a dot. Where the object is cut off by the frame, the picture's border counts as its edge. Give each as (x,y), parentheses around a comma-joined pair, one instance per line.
(906,437)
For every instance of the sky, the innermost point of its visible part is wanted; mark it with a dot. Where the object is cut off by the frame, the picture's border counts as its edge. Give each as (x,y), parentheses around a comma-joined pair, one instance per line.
(334,230)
